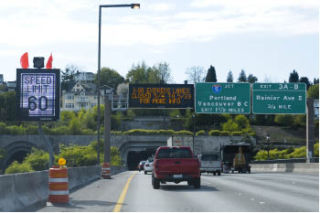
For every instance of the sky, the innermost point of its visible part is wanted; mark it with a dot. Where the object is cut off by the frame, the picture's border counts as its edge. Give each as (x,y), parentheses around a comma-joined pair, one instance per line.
(266,38)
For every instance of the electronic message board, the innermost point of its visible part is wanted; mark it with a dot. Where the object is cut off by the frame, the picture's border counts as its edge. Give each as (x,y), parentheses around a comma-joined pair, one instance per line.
(38,94)
(153,96)
(219,98)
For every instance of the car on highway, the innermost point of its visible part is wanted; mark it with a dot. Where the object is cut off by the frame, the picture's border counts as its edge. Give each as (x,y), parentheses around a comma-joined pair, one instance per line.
(148,166)
(141,165)
(211,163)
(175,164)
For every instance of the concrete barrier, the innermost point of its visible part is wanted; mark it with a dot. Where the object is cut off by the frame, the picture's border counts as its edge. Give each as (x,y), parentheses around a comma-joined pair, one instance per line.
(25,191)
(286,167)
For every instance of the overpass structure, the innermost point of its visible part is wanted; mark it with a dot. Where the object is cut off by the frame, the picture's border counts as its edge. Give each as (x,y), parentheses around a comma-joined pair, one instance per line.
(133,148)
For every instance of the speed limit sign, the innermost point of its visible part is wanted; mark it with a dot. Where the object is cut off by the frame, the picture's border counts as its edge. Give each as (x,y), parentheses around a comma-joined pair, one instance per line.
(38,94)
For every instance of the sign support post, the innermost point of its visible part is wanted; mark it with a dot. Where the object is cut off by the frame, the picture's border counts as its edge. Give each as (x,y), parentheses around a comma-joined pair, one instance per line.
(310,130)
(48,144)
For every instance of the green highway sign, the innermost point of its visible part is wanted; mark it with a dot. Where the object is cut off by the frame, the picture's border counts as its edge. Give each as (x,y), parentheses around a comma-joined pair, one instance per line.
(217,98)
(279,98)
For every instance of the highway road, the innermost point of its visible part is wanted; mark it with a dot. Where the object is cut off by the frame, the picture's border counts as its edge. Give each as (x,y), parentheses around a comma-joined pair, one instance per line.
(132,191)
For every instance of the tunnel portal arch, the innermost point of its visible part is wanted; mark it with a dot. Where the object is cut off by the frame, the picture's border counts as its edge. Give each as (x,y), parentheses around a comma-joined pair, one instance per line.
(16,151)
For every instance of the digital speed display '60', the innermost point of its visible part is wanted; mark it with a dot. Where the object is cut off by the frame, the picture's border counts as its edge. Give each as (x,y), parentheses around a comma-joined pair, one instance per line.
(38,94)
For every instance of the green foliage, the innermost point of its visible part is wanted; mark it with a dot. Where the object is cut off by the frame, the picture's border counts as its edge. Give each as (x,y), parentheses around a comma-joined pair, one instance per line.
(298,153)
(286,153)
(316,150)
(261,155)
(283,119)
(183,132)
(237,133)
(242,76)
(242,121)
(219,133)
(313,91)
(115,156)
(16,167)
(224,133)
(230,76)
(142,73)
(294,77)
(109,77)
(2,153)
(7,106)
(299,121)
(211,75)
(37,159)
(214,132)
(230,126)
(200,132)
(79,155)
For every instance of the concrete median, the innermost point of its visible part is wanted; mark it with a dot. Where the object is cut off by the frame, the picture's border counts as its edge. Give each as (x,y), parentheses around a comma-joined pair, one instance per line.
(25,191)
(286,167)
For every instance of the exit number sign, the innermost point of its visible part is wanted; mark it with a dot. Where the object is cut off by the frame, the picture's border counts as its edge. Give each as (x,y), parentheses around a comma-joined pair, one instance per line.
(279,98)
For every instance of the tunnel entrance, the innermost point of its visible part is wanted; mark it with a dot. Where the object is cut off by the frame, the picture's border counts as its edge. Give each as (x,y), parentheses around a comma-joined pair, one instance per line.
(17,156)
(134,157)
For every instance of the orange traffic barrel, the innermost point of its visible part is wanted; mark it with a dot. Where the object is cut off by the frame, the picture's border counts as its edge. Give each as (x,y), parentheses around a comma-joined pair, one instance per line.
(105,170)
(58,185)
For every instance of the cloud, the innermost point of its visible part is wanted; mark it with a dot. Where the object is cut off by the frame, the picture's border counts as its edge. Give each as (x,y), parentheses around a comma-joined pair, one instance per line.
(37,22)
(160,7)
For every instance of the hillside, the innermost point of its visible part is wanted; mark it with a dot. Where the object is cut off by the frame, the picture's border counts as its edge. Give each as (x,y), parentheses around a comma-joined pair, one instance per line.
(281,134)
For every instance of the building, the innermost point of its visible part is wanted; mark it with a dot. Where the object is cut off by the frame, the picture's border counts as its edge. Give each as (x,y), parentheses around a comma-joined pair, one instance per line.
(11,85)
(84,77)
(81,96)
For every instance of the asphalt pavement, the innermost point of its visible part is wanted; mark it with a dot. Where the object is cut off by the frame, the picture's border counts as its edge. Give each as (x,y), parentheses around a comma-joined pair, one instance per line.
(280,192)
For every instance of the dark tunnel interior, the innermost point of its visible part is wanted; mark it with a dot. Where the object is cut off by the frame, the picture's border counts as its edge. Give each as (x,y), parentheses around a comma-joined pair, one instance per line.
(134,157)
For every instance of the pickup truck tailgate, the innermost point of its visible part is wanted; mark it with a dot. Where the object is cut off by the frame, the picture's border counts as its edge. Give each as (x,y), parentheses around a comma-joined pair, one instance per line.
(178,166)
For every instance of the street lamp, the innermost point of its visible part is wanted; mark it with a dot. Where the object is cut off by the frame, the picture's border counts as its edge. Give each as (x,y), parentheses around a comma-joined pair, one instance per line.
(193,120)
(132,6)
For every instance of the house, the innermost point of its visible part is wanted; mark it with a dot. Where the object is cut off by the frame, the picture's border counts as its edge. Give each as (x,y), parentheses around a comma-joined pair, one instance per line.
(81,96)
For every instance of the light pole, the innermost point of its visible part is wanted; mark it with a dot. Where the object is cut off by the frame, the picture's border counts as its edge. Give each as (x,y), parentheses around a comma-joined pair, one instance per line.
(268,145)
(132,6)
(193,121)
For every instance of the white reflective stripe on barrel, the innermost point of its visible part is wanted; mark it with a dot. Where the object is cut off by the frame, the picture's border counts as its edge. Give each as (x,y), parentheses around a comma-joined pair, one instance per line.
(105,168)
(61,192)
(58,180)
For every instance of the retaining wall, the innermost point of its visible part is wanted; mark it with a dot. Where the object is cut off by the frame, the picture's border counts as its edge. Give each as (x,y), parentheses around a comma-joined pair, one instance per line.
(286,167)
(19,192)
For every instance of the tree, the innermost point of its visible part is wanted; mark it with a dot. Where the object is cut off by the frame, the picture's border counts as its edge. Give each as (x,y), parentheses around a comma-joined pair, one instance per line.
(242,76)
(252,79)
(109,77)
(138,74)
(141,73)
(313,91)
(294,77)
(163,72)
(7,110)
(211,75)
(68,77)
(195,74)
(316,81)
(306,81)
(230,77)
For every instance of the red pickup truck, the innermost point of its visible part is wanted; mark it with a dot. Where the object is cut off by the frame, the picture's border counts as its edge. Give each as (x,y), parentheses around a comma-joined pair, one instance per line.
(175,164)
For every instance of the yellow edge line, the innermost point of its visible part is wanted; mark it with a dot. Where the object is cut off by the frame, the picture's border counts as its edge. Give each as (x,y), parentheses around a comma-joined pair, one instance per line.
(118,206)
